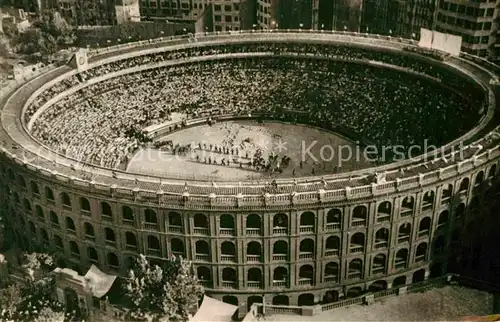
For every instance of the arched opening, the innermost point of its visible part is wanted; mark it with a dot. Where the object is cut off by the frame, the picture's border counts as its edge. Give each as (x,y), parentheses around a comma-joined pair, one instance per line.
(92,255)
(229,275)
(280,223)
(254,277)
(355,269)
(106,211)
(71,301)
(443,219)
(404,233)
(200,221)
(359,216)
(401,260)
(252,300)
(306,248)
(332,272)
(357,243)
(254,251)
(399,281)
(153,246)
(110,236)
(65,200)
(89,230)
(202,248)
(253,224)
(54,219)
(74,250)
(382,238)
(479,178)
(130,241)
(175,222)
(227,222)
(474,204)
(113,260)
(204,274)
(306,299)
(32,229)
(407,206)
(45,237)
(377,286)
(128,215)
(228,251)
(306,275)
(330,297)
(70,224)
(354,292)
(280,250)
(384,211)
(333,219)
(27,205)
(421,253)
(21,181)
(281,300)
(418,276)
(49,194)
(307,222)
(428,200)
(447,192)
(177,247)
(379,264)
(229,299)
(280,276)
(464,185)
(150,217)
(439,244)
(34,189)
(424,227)
(492,172)
(58,242)
(84,204)
(332,246)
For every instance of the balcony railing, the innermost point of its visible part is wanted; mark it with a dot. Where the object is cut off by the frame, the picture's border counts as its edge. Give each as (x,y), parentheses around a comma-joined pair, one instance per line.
(331,278)
(404,239)
(226,231)
(332,252)
(354,275)
(381,217)
(55,225)
(441,225)
(227,258)
(306,255)
(128,222)
(281,283)
(85,212)
(206,283)
(445,200)
(75,255)
(106,217)
(90,237)
(175,229)
(202,257)
(332,226)
(154,252)
(423,233)
(131,247)
(51,201)
(280,230)
(201,231)
(306,229)
(378,270)
(400,264)
(253,231)
(381,244)
(420,258)
(427,206)
(254,284)
(229,284)
(356,249)
(177,253)
(305,281)
(405,212)
(150,226)
(71,231)
(66,207)
(358,222)
(280,257)
(110,242)
(253,258)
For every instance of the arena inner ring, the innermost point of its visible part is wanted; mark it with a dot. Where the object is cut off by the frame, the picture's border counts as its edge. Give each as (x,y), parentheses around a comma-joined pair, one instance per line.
(299,241)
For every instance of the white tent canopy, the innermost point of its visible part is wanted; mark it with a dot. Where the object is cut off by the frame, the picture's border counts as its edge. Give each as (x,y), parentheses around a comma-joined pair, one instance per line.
(214,310)
(98,281)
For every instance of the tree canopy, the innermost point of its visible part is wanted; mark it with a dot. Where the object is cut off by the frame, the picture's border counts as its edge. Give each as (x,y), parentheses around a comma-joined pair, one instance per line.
(156,293)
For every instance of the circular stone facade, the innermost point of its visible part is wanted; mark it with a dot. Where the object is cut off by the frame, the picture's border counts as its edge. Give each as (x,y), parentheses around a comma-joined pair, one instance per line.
(296,241)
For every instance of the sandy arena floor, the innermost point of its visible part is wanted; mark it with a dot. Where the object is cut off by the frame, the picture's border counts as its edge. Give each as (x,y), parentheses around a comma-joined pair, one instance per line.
(450,303)
(327,152)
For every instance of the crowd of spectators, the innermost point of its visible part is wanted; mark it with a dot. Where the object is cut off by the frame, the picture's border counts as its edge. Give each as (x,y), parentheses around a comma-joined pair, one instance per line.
(385,106)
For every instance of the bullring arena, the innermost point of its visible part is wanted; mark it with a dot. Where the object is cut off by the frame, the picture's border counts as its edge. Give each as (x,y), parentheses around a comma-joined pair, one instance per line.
(193,147)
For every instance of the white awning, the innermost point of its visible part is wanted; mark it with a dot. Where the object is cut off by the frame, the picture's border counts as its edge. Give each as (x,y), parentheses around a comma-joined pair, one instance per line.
(98,281)
(214,310)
